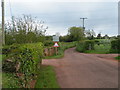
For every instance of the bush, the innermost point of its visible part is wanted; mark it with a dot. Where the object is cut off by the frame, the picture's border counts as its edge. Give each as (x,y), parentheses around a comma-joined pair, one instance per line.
(82,46)
(48,43)
(97,42)
(89,45)
(24,59)
(115,46)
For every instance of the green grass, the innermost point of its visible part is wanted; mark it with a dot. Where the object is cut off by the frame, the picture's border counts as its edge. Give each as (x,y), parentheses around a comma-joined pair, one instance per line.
(9,80)
(62,48)
(46,78)
(100,49)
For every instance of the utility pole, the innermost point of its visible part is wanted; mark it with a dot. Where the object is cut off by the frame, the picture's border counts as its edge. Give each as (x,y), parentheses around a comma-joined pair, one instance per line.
(83,22)
(3,22)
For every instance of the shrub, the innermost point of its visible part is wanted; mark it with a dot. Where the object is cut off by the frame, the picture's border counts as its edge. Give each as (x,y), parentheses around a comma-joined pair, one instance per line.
(97,42)
(115,46)
(89,45)
(82,46)
(25,59)
(48,43)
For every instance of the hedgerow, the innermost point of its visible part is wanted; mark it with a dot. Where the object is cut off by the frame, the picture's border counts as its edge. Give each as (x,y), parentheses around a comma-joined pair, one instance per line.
(24,60)
(82,46)
(115,46)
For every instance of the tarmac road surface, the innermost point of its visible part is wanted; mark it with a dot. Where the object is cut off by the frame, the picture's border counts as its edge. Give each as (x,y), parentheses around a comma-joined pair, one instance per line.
(79,70)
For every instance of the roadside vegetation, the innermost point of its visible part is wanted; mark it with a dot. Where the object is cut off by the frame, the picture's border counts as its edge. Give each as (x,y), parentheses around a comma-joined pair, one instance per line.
(22,54)
(117,58)
(47,78)
(25,43)
(61,49)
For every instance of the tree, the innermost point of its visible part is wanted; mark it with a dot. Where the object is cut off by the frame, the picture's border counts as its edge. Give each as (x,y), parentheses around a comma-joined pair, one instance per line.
(90,34)
(65,38)
(99,36)
(25,29)
(76,34)
(106,37)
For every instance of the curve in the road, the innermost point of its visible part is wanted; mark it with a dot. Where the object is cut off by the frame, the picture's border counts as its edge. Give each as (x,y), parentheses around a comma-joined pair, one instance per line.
(79,70)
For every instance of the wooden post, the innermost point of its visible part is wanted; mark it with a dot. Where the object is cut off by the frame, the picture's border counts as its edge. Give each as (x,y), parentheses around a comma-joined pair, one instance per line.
(56,51)
(3,32)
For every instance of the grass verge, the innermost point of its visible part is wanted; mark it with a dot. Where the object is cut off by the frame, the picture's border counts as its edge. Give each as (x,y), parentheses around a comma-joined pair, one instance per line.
(61,49)
(46,78)
(9,80)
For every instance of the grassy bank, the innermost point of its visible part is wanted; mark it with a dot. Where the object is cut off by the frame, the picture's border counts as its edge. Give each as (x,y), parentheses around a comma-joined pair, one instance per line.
(9,80)
(46,78)
(61,49)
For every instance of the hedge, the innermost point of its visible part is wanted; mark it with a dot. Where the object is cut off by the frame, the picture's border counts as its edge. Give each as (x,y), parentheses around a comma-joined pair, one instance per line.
(82,46)
(23,60)
(48,43)
(115,46)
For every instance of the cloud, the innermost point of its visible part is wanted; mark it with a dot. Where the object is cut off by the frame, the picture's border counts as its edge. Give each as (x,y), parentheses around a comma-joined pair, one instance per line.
(64,0)
(60,15)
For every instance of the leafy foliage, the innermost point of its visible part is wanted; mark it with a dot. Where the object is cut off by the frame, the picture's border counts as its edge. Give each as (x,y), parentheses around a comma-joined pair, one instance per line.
(62,48)
(74,34)
(115,46)
(46,78)
(24,30)
(82,46)
(26,58)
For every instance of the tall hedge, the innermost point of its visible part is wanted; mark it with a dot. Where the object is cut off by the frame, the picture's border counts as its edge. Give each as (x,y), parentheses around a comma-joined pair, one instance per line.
(82,46)
(23,59)
(115,46)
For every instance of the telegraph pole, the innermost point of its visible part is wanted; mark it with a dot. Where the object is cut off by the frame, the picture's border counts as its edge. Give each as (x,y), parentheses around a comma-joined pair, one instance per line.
(3,22)
(83,22)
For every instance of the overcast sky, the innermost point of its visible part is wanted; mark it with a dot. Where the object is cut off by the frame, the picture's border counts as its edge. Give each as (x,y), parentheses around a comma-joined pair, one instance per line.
(59,15)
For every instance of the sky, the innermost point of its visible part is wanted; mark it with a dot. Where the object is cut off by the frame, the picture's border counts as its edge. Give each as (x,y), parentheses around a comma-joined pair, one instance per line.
(60,15)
